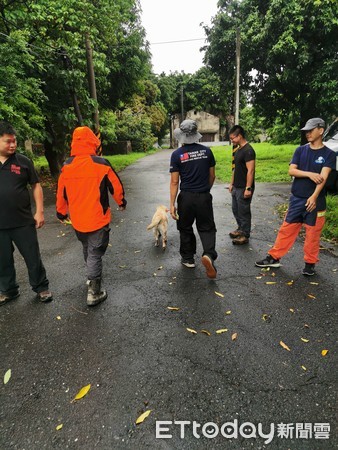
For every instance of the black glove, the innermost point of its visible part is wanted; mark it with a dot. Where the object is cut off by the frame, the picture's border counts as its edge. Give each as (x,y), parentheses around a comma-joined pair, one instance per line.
(61,216)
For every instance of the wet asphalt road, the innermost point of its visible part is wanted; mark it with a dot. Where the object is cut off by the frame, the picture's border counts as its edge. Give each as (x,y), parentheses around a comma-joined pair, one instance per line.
(138,355)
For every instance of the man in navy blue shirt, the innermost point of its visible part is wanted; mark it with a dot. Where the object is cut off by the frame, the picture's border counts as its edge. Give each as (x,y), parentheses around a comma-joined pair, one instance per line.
(310,166)
(192,169)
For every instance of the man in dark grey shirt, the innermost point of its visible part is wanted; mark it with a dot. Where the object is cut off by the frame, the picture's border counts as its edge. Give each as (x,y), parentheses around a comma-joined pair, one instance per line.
(242,185)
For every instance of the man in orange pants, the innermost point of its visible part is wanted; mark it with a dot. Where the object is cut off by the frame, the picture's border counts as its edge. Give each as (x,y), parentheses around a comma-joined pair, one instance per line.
(310,166)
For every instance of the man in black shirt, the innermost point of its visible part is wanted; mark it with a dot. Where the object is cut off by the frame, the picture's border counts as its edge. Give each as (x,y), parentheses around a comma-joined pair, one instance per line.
(17,223)
(193,167)
(242,185)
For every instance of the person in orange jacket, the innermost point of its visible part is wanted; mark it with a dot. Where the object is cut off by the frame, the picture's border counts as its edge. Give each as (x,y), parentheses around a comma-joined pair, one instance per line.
(83,193)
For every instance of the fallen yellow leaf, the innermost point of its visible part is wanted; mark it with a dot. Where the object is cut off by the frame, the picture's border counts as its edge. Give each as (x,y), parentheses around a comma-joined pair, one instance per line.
(311,296)
(314,282)
(270,282)
(222,330)
(292,310)
(143,416)
(290,283)
(173,308)
(227,312)
(324,352)
(234,337)
(59,427)
(265,317)
(284,346)
(304,340)
(58,317)
(82,392)
(304,368)
(306,325)
(259,278)
(219,294)
(7,376)
(191,330)
(206,332)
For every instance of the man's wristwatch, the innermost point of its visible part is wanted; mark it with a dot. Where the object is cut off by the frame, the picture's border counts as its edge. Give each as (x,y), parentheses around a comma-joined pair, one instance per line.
(248,188)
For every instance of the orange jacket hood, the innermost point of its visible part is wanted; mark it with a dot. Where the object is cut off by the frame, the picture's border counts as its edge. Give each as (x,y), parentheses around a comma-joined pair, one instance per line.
(84,142)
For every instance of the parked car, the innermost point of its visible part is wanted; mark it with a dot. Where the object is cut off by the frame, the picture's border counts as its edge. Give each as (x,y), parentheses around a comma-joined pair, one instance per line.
(331,141)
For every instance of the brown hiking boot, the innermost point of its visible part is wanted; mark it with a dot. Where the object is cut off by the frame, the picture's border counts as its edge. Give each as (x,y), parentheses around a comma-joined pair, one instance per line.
(44,296)
(235,234)
(4,298)
(240,240)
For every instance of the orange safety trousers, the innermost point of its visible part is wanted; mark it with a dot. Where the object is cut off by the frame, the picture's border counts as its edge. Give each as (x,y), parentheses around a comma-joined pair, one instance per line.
(288,233)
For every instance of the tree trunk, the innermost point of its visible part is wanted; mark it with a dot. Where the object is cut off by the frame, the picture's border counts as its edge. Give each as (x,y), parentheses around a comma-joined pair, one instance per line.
(55,147)
(52,158)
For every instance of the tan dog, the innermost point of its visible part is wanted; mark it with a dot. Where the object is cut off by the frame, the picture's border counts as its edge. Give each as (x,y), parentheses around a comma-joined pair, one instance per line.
(159,223)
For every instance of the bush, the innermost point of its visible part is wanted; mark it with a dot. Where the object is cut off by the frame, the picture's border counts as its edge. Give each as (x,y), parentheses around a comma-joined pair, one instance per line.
(134,127)
(284,131)
(108,127)
(330,231)
(252,123)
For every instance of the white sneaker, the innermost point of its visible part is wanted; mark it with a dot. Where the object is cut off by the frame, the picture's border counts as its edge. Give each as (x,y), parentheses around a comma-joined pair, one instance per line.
(190,263)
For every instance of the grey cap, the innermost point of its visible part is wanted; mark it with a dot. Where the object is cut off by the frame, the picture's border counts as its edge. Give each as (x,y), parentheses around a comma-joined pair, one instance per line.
(187,132)
(313,123)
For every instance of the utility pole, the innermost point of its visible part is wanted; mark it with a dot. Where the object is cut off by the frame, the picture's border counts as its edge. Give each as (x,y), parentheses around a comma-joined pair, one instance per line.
(92,88)
(171,131)
(67,64)
(182,104)
(238,61)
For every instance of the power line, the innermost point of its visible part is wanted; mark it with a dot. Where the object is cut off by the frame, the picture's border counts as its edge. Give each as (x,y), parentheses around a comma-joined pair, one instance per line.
(175,42)
(57,51)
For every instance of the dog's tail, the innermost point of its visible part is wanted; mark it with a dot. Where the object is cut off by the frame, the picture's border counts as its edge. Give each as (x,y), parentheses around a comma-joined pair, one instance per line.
(153,223)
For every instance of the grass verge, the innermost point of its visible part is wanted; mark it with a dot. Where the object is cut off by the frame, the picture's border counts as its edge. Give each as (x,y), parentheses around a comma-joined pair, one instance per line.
(119,162)
(271,165)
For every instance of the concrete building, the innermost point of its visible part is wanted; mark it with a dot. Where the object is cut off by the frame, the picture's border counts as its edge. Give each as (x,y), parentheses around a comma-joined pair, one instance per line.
(208,125)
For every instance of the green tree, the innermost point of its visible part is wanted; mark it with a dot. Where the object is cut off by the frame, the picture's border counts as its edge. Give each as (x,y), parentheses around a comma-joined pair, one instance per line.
(252,123)
(134,125)
(202,91)
(289,61)
(21,95)
(54,34)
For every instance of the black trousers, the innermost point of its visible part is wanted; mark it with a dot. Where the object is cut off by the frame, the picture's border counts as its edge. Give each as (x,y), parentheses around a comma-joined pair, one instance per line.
(26,240)
(197,206)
